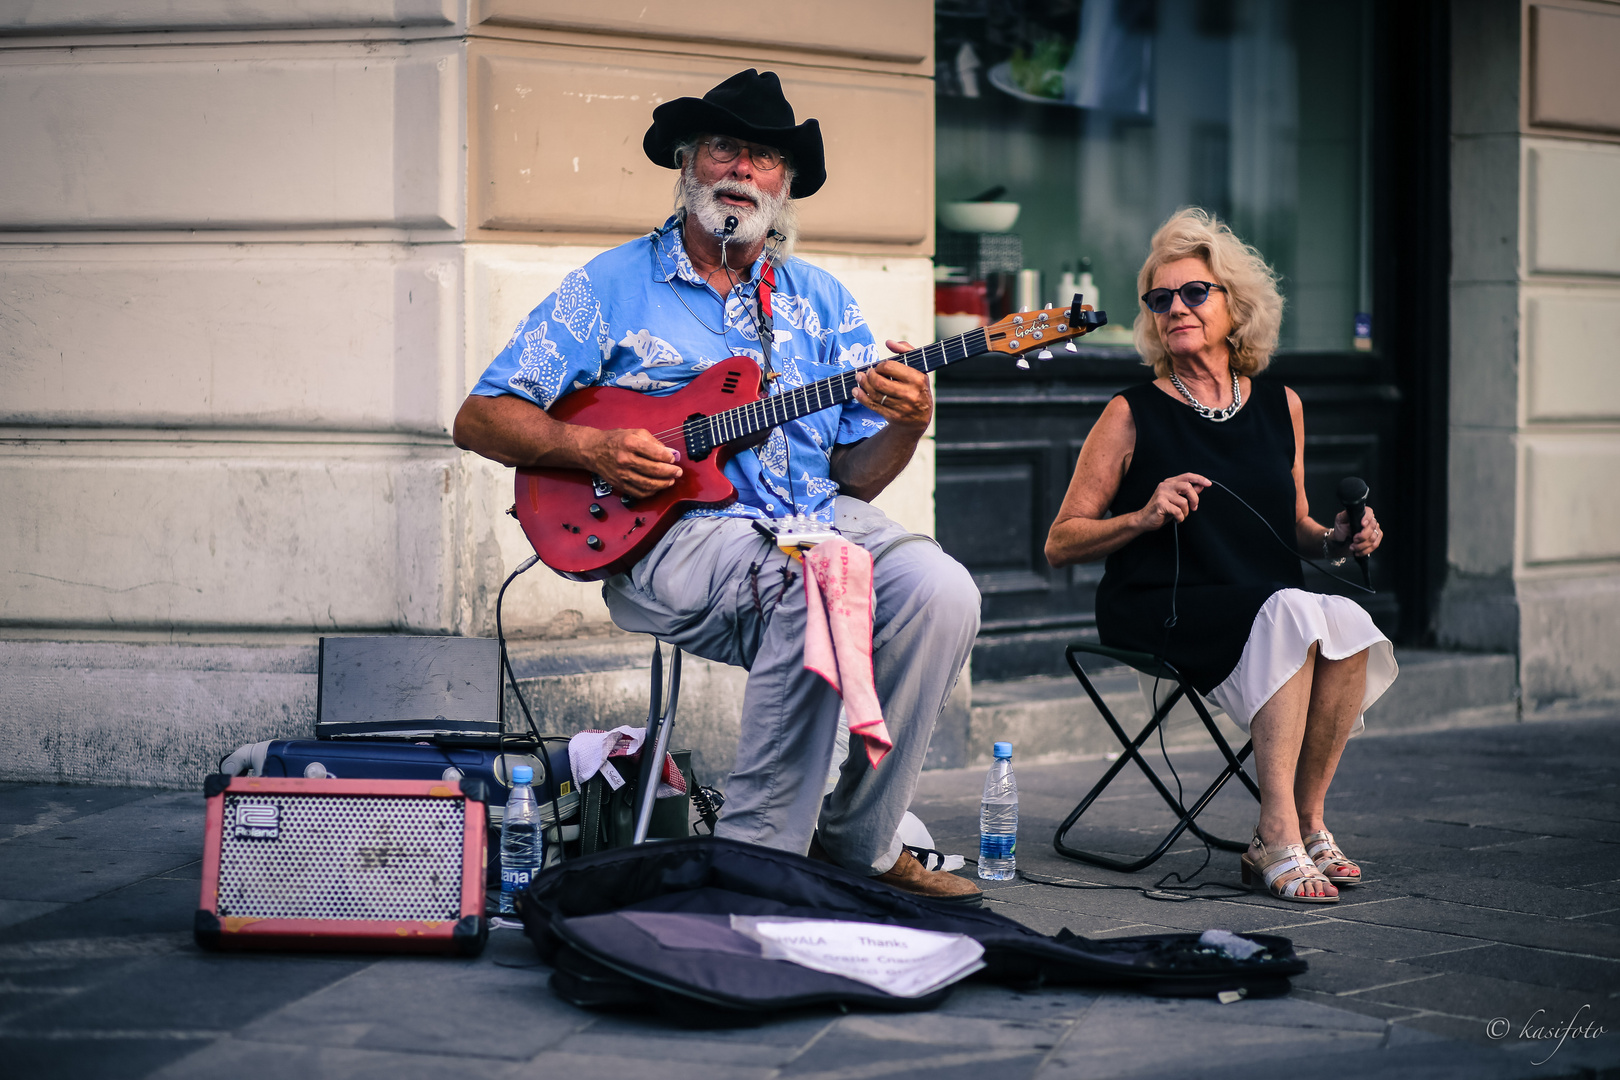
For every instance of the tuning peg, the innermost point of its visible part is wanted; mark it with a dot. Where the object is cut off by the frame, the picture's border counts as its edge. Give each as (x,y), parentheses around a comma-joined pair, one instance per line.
(1070,346)
(1023,364)
(1044,354)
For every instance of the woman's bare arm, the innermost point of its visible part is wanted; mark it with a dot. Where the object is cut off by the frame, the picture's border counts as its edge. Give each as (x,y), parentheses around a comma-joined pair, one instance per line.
(1081,533)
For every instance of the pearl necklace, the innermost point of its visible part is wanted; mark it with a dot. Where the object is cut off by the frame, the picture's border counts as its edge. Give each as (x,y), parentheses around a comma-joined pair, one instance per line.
(1217,415)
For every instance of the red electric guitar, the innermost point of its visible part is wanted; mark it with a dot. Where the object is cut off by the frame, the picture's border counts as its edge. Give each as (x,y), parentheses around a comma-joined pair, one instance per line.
(583,530)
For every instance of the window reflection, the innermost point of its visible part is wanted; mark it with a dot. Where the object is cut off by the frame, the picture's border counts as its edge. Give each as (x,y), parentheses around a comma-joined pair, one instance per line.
(1102,117)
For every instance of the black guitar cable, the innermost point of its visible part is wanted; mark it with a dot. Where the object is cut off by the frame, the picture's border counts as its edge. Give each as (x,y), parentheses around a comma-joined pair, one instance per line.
(528,717)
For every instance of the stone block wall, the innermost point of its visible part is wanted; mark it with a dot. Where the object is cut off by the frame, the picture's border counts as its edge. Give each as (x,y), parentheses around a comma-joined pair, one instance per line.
(252,257)
(1535,399)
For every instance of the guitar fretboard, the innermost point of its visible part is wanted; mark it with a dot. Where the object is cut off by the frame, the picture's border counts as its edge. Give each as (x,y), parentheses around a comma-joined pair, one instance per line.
(778,409)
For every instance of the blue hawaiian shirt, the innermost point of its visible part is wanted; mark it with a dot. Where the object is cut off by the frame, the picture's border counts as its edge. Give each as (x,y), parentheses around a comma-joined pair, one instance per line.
(640,317)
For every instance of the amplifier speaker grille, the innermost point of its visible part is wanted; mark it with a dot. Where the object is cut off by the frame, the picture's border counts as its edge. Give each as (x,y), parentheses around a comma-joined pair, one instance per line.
(312,857)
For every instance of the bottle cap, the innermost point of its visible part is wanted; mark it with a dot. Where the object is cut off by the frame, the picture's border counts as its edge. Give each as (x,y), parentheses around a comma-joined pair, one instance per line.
(522,774)
(1002,749)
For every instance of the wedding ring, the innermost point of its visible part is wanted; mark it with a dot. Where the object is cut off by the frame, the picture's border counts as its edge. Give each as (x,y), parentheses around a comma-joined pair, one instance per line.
(885,400)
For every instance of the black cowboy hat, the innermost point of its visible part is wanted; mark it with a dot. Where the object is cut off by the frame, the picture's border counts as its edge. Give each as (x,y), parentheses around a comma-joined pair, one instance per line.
(748,106)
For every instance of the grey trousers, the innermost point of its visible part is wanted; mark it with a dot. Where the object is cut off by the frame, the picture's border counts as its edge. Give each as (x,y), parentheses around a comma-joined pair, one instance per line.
(697,590)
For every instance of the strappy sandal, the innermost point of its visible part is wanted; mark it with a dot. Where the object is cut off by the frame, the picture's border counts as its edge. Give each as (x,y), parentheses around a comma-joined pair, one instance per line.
(1325,853)
(1283,872)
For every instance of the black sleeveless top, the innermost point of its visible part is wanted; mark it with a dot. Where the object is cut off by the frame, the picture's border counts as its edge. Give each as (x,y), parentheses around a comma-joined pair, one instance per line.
(1230,563)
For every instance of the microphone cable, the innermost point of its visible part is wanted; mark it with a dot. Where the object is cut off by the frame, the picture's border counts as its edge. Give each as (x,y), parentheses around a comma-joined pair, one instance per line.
(1183,882)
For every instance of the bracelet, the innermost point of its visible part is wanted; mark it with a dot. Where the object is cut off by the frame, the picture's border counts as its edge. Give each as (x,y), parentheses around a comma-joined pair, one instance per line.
(1327,534)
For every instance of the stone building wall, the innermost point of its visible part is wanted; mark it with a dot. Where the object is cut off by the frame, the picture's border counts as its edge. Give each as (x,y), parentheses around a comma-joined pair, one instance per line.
(1535,395)
(252,256)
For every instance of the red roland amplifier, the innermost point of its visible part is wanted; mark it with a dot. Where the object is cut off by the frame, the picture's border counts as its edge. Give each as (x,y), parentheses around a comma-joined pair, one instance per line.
(376,865)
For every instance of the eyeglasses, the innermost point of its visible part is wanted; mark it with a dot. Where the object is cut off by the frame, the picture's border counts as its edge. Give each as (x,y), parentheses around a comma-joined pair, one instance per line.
(1192,293)
(723,148)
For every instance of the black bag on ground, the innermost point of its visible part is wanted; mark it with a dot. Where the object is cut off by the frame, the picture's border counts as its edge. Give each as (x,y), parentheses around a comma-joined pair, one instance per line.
(608,815)
(574,915)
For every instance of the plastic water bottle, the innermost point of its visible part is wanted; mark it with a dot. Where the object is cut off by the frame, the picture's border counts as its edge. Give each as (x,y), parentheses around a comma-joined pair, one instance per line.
(520,837)
(998,819)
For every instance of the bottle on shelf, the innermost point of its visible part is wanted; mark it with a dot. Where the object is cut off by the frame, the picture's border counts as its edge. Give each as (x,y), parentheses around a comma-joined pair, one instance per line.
(1067,287)
(1087,287)
(998,819)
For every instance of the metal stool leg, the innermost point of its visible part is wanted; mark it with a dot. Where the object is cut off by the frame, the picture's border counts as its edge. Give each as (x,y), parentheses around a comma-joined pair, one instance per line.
(656,745)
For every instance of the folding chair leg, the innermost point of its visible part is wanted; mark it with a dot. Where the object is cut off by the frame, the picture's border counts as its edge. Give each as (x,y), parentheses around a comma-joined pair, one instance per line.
(1132,752)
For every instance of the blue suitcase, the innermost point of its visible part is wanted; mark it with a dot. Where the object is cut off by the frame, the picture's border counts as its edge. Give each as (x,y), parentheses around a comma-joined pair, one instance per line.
(316,759)
(379,760)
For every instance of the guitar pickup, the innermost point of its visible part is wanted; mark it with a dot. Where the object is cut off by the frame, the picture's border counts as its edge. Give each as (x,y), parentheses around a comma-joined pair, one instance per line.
(600,487)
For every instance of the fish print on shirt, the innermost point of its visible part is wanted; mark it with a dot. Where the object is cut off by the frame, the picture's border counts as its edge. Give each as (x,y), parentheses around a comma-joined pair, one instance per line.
(858,356)
(653,350)
(640,380)
(576,307)
(774,453)
(851,319)
(818,486)
(742,315)
(541,368)
(798,313)
(787,366)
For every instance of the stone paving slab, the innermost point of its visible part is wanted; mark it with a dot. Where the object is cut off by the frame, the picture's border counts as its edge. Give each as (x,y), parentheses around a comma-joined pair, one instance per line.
(1491,894)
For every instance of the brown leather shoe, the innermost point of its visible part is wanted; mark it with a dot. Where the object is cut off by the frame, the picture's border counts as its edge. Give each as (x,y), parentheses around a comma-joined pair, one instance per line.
(909,876)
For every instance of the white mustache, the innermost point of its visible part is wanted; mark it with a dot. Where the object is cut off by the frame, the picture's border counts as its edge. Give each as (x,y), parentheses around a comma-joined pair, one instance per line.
(737,188)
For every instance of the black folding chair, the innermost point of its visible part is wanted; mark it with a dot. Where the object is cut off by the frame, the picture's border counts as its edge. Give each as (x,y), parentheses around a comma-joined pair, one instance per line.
(1153,667)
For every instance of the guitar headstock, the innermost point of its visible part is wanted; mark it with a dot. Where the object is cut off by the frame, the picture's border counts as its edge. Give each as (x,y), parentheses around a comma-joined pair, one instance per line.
(1024,331)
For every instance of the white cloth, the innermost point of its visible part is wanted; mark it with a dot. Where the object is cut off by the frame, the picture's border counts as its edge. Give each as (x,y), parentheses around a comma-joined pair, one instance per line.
(589,751)
(1283,631)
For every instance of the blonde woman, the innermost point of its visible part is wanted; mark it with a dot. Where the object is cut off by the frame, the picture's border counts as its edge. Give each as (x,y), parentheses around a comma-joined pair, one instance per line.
(1196,576)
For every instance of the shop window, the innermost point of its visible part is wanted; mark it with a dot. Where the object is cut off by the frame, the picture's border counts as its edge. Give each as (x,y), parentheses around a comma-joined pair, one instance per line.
(1102,117)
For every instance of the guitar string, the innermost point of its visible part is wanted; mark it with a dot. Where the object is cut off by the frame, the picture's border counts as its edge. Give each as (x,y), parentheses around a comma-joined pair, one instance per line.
(759,410)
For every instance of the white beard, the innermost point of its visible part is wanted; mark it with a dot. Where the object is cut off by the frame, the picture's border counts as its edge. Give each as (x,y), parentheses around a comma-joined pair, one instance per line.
(753,223)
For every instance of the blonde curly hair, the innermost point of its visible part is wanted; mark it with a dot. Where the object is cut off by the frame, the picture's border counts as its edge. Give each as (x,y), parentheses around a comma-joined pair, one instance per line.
(1251,290)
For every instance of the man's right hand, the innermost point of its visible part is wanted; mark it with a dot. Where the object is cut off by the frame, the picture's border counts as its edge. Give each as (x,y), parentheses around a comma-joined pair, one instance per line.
(515,431)
(632,461)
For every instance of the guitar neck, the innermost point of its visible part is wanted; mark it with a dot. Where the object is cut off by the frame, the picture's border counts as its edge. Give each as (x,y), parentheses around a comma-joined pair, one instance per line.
(778,409)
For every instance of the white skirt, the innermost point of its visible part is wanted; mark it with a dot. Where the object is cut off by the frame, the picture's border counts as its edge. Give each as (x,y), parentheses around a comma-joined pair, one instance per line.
(1285,628)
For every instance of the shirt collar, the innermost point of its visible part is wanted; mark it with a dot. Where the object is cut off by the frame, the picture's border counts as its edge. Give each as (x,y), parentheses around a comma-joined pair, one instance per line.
(673,262)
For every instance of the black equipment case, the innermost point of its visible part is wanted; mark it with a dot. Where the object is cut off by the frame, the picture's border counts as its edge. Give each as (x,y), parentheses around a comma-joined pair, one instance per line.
(600,959)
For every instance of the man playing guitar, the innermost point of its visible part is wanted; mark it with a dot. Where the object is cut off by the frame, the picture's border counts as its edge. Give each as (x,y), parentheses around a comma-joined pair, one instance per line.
(718,281)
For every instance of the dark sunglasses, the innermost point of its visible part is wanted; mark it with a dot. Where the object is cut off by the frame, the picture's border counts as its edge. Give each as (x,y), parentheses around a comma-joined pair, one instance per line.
(1192,293)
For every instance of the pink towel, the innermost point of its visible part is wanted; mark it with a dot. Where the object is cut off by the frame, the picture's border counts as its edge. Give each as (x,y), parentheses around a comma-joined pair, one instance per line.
(838,635)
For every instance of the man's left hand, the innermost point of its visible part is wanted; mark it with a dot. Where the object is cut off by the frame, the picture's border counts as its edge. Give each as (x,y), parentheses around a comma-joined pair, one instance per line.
(896,392)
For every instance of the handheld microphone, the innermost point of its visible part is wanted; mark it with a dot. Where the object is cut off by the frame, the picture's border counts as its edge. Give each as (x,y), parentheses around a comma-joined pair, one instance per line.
(1353,495)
